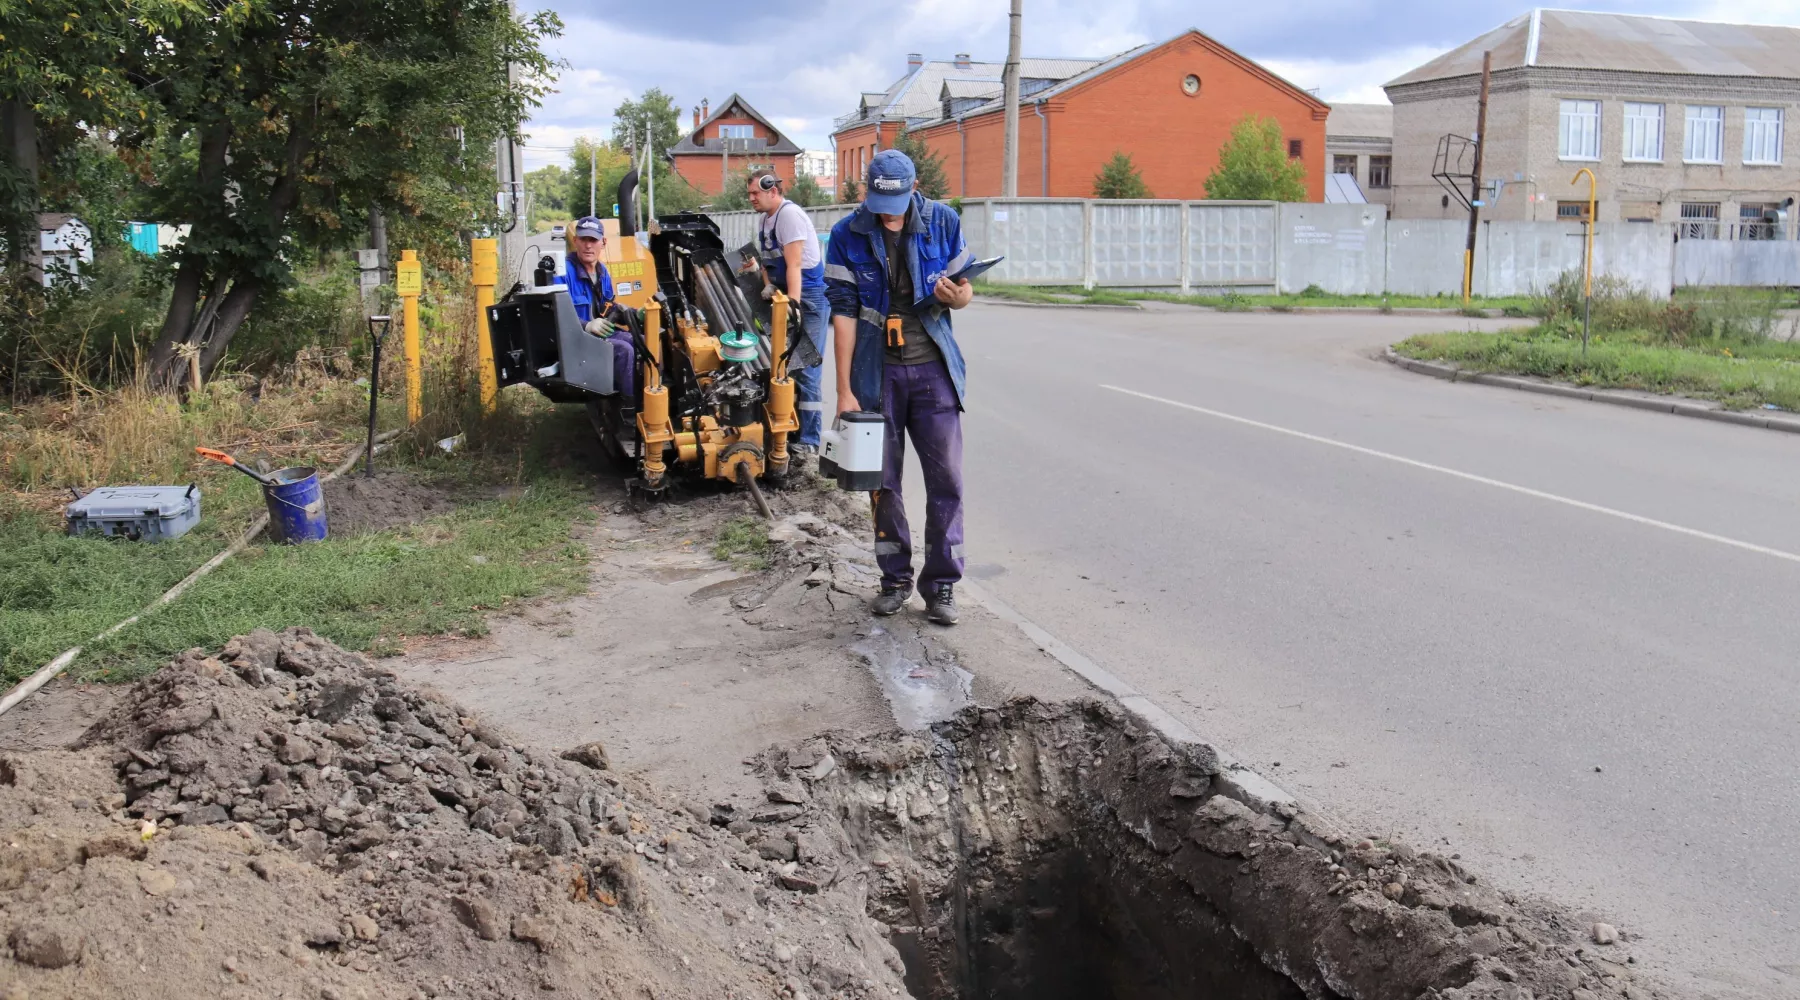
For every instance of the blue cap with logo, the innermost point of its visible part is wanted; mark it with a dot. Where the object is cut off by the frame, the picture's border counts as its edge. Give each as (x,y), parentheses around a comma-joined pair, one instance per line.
(890,186)
(590,227)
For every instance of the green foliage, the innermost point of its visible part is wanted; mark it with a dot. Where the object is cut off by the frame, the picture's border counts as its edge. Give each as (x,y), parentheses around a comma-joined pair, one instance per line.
(1254,165)
(849,191)
(928,165)
(653,115)
(1312,292)
(1120,178)
(549,190)
(736,195)
(805,192)
(610,165)
(1712,315)
(322,310)
(90,334)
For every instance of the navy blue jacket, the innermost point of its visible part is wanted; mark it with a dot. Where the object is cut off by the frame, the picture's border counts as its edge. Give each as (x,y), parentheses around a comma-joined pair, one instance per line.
(856,284)
(582,293)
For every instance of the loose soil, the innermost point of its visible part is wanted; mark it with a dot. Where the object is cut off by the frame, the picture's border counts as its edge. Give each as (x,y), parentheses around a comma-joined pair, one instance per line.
(284,818)
(355,504)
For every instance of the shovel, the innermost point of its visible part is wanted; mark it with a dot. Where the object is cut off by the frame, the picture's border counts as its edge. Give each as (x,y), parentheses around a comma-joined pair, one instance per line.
(219,456)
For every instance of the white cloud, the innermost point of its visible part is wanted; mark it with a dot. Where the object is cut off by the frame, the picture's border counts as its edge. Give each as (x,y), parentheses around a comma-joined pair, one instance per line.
(1353,81)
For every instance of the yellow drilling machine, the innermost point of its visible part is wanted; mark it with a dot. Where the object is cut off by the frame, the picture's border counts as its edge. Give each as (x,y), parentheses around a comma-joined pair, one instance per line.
(712,397)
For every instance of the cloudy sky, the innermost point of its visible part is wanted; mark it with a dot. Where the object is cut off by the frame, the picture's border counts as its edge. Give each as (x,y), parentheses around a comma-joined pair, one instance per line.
(803,62)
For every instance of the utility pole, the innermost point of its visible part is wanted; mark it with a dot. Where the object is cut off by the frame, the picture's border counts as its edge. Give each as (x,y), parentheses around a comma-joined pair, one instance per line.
(1009,183)
(593,161)
(1487,61)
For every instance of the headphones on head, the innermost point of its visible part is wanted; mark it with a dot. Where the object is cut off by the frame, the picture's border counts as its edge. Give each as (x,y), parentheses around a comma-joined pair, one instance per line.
(768,182)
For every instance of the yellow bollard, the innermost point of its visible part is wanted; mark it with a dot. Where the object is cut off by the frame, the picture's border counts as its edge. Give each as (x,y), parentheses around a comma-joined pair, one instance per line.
(408,283)
(484,260)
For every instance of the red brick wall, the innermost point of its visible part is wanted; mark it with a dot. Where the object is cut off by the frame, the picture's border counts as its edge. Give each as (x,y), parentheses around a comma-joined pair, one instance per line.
(1142,110)
(856,145)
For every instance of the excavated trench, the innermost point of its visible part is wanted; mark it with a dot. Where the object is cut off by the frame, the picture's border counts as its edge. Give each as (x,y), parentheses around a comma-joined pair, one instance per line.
(1064,851)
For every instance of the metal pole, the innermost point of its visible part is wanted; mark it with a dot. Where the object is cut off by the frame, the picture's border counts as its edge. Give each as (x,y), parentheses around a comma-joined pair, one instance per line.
(1487,60)
(377,336)
(1009,185)
(593,158)
(408,282)
(484,271)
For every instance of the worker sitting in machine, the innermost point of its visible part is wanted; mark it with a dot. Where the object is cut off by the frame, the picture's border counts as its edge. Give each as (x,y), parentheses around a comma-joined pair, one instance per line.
(591,292)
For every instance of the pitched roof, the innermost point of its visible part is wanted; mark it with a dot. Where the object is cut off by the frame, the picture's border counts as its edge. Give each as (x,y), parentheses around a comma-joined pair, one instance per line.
(1633,43)
(695,142)
(1361,120)
(920,92)
(1100,68)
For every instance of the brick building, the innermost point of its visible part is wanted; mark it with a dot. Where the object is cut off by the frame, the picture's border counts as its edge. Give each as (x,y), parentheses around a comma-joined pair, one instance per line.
(733,139)
(1680,121)
(1359,142)
(1170,105)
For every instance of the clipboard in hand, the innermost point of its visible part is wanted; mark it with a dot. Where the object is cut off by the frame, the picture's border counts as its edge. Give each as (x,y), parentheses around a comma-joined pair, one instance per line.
(975,270)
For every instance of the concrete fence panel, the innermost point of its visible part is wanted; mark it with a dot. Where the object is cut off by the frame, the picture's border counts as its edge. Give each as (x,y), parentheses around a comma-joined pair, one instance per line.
(1425,256)
(1341,249)
(1231,244)
(1137,244)
(1044,240)
(1642,254)
(1763,263)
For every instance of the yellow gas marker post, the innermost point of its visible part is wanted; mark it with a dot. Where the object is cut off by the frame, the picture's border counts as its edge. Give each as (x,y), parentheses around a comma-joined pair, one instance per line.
(408,283)
(484,260)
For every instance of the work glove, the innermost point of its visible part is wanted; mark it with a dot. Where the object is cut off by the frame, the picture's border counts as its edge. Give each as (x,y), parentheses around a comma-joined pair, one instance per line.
(768,293)
(600,326)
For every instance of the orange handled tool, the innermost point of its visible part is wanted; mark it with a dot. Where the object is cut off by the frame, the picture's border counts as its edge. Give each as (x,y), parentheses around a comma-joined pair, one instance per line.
(219,456)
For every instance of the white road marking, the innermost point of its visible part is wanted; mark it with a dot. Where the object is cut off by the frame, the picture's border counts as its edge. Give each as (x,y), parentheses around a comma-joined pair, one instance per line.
(1471,477)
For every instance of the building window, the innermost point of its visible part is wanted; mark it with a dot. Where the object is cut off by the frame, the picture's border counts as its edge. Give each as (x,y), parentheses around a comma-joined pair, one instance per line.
(1295,149)
(1699,221)
(1762,135)
(1578,135)
(1381,172)
(1705,134)
(1756,221)
(737,131)
(1344,164)
(1643,132)
(1571,211)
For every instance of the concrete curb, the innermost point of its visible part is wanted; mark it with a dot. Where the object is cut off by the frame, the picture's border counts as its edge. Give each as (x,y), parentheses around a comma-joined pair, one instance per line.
(1236,779)
(995,300)
(1680,406)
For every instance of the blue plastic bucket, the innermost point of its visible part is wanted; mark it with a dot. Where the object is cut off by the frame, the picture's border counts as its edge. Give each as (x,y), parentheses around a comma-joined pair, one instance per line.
(296,506)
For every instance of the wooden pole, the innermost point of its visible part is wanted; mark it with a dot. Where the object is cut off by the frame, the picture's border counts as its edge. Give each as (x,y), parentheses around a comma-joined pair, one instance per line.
(1487,60)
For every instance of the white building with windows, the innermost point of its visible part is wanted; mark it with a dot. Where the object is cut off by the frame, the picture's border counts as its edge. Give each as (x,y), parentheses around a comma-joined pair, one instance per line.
(821,166)
(1679,121)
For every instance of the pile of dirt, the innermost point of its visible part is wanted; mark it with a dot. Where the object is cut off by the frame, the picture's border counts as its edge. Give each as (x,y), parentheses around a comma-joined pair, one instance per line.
(355,504)
(285,819)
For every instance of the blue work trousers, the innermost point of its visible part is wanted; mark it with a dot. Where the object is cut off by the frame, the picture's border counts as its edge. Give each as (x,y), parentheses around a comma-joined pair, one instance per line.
(919,402)
(815,315)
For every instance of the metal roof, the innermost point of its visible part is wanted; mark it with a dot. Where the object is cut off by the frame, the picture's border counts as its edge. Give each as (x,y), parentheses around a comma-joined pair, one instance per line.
(1632,43)
(971,88)
(919,93)
(1367,121)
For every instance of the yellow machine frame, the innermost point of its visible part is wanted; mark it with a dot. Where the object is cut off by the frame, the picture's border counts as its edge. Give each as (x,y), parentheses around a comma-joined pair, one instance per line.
(629,263)
(702,441)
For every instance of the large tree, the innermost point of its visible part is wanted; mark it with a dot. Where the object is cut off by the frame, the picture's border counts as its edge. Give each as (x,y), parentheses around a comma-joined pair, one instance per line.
(284,120)
(1254,165)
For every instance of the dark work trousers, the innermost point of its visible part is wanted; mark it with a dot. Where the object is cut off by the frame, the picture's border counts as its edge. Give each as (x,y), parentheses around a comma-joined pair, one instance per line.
(919,402)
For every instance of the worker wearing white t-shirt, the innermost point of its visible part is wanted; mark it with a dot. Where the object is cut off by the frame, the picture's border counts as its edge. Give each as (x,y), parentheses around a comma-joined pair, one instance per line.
(788,246)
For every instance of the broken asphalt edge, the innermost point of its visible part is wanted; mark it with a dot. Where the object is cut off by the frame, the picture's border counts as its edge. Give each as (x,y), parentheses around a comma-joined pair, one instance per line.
(1680,406)
(1236,780)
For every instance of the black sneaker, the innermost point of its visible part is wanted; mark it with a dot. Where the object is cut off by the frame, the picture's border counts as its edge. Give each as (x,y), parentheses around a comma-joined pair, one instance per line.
(940,604)
(891,599)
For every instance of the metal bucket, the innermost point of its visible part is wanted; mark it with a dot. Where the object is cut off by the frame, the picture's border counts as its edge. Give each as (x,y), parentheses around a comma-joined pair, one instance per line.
(296,506)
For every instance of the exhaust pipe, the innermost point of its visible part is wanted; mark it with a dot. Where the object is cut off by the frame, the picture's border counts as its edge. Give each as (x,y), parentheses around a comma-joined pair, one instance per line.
(628,203)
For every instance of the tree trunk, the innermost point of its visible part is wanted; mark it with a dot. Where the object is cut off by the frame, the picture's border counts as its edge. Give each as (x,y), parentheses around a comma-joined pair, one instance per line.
(183,300)
(233,310)
(18,122)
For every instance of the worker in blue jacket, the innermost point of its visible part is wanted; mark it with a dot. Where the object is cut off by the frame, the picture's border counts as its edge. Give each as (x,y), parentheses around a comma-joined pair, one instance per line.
(591,291)
(888,271)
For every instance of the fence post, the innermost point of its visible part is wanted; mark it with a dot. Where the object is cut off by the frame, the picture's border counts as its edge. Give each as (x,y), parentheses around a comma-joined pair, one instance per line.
(1187,256)
(408,283)
(484,267)
(1087,243)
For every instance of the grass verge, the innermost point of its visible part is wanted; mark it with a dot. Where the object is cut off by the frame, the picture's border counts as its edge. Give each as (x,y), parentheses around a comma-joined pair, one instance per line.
(1742,375)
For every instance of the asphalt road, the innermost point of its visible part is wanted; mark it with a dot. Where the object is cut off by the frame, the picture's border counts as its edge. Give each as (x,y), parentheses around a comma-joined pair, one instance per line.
(1509,626)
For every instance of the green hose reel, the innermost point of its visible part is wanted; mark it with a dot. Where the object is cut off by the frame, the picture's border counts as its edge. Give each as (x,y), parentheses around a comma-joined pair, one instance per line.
(737,345)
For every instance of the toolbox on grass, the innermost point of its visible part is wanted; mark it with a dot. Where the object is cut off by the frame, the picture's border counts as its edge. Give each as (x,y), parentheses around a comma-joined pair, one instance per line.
(153,513)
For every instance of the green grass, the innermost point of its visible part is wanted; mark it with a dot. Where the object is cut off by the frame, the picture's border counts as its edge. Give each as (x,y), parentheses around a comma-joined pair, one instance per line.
(366,592)
(743,542)
(1234,302)
(1739,375)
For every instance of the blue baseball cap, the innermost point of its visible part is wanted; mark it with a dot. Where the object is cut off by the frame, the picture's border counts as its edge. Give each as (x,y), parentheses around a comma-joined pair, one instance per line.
(890,183)
(590,227)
